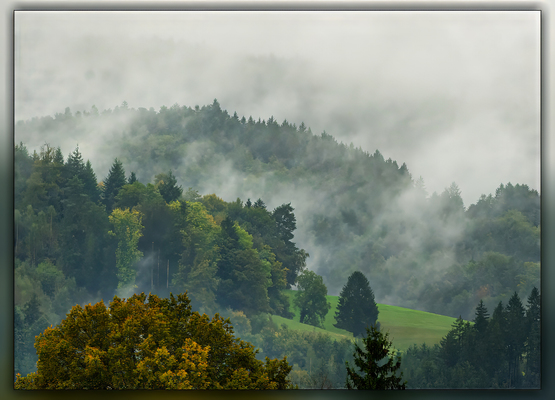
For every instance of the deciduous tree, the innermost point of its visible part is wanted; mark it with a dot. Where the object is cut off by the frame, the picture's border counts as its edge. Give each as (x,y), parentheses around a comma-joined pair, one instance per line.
(154,344)
(311,299)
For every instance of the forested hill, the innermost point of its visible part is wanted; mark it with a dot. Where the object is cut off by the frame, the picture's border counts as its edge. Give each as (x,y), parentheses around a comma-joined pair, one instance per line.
(354,209)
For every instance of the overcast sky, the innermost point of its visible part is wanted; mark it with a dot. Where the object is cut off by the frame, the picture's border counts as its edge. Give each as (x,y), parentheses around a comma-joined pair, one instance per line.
(454,95)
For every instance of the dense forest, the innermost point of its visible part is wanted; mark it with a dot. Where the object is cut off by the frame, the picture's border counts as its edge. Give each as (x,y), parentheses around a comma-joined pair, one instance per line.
(146,218)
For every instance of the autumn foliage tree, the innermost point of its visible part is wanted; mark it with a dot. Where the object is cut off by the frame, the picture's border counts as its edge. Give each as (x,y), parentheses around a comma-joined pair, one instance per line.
(154,344)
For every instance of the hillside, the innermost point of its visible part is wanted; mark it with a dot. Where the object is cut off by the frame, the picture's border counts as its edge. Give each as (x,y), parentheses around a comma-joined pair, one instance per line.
(355,209)
(405,326)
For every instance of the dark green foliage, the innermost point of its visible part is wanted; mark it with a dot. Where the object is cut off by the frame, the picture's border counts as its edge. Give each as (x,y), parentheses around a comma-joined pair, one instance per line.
(498,352)
(311,299)
(132,178)
(167,185)
(131,195)
(74,166)
(362,217)
(113,184)
(515,339)
(23,166)
(243,278)
(481,320)
(259,204)
(357,307)
(83,238)
(352,186)
(373,373)
(533,341)
(90,183)
(318,360)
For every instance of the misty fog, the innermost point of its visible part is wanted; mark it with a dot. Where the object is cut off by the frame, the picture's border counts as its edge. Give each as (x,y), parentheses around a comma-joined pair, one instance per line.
(452,94)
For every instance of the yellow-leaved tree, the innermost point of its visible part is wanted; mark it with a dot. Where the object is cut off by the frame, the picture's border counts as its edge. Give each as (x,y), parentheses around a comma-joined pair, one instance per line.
(154,344)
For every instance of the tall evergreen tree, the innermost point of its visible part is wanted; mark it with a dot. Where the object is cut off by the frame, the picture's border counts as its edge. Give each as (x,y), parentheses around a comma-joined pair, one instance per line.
(243,277)
(481,319)
(292,258)
(357,307)
(132,178)
(167,185)
(479,349)
(516,336)
(497,339)
(114,182)
(74,166)
(533,340)
(259,204)
(376,374)
(90,183)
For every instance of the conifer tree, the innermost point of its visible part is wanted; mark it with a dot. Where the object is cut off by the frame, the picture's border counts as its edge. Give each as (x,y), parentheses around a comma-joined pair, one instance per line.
(496,338)
(375,373)
(74,165)
(515,338)
(357,307)
(482,316)
(132,178)
(167,185)
(114,182)
(533,340)
(90,182)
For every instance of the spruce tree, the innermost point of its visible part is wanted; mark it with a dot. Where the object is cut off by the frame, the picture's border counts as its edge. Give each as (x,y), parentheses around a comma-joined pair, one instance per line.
(481,319)
(114,182)
(516,335)
(90,182)
(167,186)
(375,373)
(533,341)
(497,339)
(132,178)
(357,307)
(74,166)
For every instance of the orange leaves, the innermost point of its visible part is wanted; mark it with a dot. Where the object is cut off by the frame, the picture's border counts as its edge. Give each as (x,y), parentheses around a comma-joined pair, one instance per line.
(154,344)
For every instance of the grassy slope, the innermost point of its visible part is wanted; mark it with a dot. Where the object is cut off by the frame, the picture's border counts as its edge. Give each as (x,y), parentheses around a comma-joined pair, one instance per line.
(405,326)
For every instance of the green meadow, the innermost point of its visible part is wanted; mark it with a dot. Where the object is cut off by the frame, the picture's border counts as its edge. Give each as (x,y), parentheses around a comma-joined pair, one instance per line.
(405,326)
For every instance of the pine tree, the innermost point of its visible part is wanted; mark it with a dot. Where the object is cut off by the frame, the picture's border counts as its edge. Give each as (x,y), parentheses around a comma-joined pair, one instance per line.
(90,182)
(481,319)
(114,182)
(132,178)
(357,307)
(74,165)
(375,373)
(496,339)
(259,204)
(167,185)
(533,340)
(516,335)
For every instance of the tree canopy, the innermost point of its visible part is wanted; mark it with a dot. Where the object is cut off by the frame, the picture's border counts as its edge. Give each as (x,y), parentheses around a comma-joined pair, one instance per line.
(311,298)
(154,344)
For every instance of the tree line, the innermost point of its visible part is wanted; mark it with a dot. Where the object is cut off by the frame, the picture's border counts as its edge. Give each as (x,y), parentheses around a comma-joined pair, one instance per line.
(420,250)
(77,239)
(498,351)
